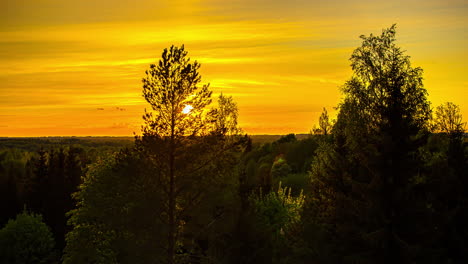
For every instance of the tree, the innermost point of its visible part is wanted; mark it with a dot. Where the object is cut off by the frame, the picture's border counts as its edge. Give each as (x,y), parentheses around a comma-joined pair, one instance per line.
(184,139)
(55,175)
(11,171)
(443,178)
(171,198)
(324,122)
(27,240)
(367,180)
(272,226)
(286,139)
(449,169)
(448,119)
(171,88)
(280,168)
(118,214)
(226,120)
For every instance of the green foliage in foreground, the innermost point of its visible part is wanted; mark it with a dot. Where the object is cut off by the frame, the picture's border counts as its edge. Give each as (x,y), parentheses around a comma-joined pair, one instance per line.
(117,219)
(27,240)
(278,211)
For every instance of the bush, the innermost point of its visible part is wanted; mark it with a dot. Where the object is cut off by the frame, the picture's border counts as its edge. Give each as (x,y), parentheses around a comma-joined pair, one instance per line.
(27,240)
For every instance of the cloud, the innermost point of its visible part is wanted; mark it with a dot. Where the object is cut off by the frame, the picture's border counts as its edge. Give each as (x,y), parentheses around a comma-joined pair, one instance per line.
(67,58)
(120,125)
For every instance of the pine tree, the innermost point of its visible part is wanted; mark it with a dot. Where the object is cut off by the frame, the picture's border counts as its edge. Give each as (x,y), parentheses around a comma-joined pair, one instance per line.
(184,138)
(324,122)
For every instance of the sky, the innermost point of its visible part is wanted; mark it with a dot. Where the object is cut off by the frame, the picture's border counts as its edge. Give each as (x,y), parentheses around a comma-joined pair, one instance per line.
(74,68)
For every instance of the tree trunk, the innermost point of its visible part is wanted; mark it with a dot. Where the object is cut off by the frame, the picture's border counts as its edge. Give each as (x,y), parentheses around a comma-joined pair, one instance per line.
(171,210)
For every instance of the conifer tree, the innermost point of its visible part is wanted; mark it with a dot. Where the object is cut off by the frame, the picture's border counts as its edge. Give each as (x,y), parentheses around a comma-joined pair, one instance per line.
(365,181)
(184,137)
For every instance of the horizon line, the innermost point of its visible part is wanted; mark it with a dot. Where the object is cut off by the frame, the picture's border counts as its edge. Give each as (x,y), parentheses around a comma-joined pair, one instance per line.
(110,136)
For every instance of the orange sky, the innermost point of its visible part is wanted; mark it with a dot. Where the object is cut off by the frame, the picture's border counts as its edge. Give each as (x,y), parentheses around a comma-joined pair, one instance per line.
(75,67)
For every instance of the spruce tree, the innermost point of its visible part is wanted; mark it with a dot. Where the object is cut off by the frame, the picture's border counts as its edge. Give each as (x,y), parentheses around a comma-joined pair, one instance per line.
(364,183)
(186,140)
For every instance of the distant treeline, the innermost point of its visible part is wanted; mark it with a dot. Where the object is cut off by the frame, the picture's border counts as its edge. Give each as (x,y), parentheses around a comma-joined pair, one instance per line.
(34,143)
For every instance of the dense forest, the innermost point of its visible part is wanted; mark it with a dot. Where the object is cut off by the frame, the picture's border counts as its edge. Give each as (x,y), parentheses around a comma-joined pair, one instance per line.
(383,182)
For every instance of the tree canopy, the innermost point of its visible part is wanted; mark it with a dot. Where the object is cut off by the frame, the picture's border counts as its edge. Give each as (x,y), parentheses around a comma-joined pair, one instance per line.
(448,119)
(27,240)
(180,170)
(363,182)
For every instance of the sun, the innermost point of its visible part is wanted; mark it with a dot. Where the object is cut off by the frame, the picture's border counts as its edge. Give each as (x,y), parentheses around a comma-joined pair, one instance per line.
(187,109)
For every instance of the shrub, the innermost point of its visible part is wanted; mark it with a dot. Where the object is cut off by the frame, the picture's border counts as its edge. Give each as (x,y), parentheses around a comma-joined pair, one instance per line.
(27,240)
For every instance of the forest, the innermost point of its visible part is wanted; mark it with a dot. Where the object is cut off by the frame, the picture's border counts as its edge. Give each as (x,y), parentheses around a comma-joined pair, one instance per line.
(383,182)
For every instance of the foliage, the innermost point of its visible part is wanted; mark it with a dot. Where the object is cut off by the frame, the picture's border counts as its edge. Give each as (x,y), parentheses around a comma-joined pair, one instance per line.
(273,223)
(89,144)
(43,181)
(362,182)
(227,113)
(325,123)
(165,199)
(286,139)
(448,119)
(278,211)
(297,182)
(286,160)
(170,86)
(280,168)
(12,169)
(117,219)
(189,149)
(169,133)
(27,240)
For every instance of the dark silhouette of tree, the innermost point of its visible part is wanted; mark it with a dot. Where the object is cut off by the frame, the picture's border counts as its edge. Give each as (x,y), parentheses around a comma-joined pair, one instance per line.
(324,123)
(172,198)
(366,180)
(448,119)
(55,175)
(169,88)
(286,139)
(452,181)
(37,191)
(226,120)
(54,202)
(8,187)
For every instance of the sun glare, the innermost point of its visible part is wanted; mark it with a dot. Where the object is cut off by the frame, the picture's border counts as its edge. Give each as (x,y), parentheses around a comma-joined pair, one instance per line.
(187,109)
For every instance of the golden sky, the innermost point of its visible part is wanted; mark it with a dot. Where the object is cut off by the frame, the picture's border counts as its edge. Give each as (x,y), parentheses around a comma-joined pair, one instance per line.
(75,67)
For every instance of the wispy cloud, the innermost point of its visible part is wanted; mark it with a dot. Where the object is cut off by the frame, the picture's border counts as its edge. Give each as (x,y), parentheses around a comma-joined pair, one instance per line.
(281,60)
